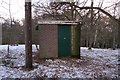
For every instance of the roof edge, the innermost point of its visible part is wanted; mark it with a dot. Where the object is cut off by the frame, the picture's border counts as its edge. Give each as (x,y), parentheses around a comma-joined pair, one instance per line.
(57,22)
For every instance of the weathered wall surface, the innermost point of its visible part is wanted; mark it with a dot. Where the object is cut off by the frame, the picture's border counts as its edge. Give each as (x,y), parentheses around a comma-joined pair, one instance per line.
(48,40)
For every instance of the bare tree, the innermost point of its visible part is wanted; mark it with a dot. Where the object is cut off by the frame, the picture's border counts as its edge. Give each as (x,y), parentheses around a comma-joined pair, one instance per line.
(68,11)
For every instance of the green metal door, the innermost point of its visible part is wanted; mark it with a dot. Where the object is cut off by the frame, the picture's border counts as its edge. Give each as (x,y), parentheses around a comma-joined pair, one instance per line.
(64,40)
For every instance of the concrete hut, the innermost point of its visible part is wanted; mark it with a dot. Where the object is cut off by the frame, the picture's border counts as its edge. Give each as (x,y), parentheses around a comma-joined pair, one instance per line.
(59,39)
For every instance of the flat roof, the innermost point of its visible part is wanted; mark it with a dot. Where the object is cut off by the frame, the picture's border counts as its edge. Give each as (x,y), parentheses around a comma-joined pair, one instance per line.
(58,22)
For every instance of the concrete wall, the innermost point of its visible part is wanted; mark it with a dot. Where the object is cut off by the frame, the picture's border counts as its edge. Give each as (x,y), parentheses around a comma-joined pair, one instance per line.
(48,40)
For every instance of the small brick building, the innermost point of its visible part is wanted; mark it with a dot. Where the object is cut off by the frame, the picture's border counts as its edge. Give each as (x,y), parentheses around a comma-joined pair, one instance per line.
(55,38)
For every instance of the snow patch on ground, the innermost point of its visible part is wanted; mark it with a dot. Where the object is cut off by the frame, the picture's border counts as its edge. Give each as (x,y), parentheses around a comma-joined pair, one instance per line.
(94,63)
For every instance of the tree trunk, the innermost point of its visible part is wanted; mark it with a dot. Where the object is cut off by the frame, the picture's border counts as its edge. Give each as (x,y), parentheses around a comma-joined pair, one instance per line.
(8,49)
(87,38)
(114,41)
(95,37)
(119,34)
(91,25)
(37,47)
(28,36)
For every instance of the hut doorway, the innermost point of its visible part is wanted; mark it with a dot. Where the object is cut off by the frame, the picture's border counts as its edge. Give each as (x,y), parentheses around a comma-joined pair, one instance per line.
(64,40)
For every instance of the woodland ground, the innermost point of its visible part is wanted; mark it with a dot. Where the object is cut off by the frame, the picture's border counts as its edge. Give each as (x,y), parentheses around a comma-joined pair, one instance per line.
(95,63)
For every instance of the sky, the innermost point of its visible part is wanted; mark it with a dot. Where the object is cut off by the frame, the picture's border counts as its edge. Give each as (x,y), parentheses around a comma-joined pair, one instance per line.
(17,7)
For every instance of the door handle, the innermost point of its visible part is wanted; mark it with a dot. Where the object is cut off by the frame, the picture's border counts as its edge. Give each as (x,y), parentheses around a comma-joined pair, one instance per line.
(64,37)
